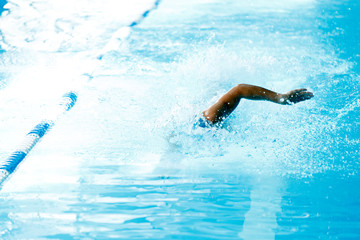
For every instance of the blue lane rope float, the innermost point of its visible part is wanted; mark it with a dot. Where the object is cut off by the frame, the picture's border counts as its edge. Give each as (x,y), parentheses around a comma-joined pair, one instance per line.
(145,14)
(123,32)
(33,137)
(68,101)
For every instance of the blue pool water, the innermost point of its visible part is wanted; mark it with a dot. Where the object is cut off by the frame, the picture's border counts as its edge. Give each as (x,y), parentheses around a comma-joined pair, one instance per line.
(125,162)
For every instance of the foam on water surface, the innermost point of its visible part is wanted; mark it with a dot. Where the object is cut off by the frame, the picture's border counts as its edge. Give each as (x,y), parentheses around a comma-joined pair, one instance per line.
(127,157)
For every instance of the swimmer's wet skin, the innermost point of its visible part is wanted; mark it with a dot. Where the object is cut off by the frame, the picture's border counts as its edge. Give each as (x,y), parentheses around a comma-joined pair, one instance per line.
(228,102)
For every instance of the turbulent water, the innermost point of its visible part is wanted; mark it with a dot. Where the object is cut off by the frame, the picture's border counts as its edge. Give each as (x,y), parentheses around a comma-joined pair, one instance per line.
(126,161)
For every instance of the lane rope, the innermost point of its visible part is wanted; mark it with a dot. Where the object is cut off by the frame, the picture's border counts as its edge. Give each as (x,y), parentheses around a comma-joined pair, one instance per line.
(33,137)
(68,101)
(124,32)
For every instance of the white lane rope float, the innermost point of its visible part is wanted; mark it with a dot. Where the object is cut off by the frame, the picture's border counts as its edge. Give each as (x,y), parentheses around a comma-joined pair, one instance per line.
(32,138)
(69,99)
(123,32)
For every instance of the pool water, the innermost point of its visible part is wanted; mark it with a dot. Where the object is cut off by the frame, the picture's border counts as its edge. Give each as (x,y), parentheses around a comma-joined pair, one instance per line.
(126,162)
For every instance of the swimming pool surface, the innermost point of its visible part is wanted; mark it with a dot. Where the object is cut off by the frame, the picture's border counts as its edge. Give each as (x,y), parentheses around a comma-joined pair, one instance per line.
(126,163)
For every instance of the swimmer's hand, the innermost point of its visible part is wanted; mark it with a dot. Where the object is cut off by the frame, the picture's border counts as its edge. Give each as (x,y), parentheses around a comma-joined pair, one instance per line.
(295,96)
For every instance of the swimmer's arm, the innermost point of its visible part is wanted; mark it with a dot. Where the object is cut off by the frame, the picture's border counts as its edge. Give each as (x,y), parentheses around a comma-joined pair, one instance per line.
(227,103)
(258,93)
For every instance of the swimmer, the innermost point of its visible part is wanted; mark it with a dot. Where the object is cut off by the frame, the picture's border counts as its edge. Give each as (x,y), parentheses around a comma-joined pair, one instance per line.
(228,102)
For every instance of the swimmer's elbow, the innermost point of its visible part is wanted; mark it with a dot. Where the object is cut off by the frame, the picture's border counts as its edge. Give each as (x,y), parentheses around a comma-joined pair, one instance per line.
(241,86)
(242,90)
